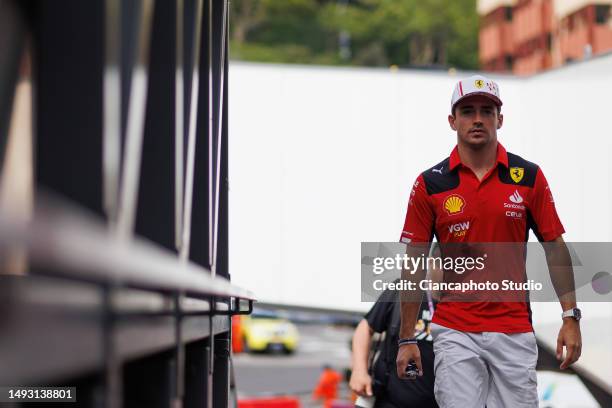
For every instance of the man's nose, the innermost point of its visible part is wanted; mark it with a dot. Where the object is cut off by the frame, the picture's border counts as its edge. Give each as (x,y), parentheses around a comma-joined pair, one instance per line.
(477,117)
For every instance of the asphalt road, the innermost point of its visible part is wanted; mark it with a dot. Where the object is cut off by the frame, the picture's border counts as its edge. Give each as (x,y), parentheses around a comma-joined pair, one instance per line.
(259,375)
(273,374)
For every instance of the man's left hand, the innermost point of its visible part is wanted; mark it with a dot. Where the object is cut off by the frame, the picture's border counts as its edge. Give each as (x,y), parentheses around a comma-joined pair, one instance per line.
(569,336)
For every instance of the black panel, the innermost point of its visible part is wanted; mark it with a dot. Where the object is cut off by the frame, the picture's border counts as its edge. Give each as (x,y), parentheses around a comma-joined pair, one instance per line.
(196,368)
(200,219)
(439,179)
(155,216)
(189,17)
(68,67)
(147,382)
(530,171)
(221,371)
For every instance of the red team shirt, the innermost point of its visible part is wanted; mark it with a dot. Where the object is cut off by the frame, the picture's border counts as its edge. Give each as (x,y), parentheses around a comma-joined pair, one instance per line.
(449,202)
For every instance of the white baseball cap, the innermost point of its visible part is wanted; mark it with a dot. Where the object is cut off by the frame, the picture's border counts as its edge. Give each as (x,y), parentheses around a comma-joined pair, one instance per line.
(476,85)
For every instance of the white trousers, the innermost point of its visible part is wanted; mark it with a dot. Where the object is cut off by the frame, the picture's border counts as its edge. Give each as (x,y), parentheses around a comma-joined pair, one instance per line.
(477,369)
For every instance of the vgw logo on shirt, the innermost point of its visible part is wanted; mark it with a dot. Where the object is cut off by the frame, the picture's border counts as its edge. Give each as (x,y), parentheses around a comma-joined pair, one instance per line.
(459,229)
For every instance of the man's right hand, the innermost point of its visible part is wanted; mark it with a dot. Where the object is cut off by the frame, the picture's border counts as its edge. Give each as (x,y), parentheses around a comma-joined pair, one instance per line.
(406,354)
(361,383)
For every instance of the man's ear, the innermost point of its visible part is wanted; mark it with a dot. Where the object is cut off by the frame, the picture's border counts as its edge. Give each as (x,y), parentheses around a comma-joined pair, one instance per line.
(500,121)
(451,122)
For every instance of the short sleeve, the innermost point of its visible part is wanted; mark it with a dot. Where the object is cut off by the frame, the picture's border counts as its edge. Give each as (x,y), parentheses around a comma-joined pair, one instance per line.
(418,225)
(380,314)
(546,223)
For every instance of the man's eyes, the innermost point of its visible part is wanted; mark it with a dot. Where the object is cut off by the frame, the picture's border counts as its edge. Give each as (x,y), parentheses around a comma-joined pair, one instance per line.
(470,111)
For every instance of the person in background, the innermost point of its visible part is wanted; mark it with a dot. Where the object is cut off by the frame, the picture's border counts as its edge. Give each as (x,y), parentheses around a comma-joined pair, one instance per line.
(326,389)
(388,390)
(237,345)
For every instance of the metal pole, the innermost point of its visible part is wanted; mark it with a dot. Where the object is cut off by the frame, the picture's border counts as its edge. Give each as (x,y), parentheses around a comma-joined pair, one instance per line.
(224,16)
(211,131)
(112,372)
(210,350)
(135,125)
(179,127)
(111,154)
(191,142)
(179,375)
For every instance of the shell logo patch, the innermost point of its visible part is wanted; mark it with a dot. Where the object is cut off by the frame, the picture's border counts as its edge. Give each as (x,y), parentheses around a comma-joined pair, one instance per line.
(454,204)
(479,83)
(517,173)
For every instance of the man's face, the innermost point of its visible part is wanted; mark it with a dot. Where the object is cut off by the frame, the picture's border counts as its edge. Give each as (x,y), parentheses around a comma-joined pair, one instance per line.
(476,121)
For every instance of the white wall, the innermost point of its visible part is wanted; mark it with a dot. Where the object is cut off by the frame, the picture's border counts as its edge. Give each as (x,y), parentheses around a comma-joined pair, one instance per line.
(322,159)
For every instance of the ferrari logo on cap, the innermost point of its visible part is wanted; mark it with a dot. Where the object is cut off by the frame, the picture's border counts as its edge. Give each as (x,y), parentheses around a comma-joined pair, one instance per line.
(479,83)
(517,173)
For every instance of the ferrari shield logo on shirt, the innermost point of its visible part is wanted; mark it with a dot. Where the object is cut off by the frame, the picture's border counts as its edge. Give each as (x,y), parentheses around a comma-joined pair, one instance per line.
(454,204)
(517,174)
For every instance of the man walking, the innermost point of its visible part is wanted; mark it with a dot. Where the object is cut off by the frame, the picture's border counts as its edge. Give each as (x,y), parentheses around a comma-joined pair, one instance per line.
(485,352)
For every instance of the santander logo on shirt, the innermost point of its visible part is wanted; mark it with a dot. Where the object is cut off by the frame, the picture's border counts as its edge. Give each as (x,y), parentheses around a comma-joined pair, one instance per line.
(516,199)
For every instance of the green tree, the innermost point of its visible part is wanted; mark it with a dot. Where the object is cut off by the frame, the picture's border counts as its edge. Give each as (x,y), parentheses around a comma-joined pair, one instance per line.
(280,31)
(381,32)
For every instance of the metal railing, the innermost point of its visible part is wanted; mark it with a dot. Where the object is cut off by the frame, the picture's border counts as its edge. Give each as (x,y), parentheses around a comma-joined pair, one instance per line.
(126,293)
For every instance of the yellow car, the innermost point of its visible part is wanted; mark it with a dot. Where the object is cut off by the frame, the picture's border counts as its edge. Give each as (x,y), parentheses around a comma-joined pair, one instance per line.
(265,333)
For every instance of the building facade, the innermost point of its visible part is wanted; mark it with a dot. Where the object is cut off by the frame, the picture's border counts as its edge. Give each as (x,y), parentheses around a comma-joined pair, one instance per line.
(528,36)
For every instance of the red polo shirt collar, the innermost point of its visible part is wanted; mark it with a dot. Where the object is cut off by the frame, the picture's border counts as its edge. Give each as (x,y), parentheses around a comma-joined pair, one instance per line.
(502,157)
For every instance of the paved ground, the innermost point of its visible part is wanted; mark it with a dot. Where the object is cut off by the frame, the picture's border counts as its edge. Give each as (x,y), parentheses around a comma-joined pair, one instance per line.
(297,374)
